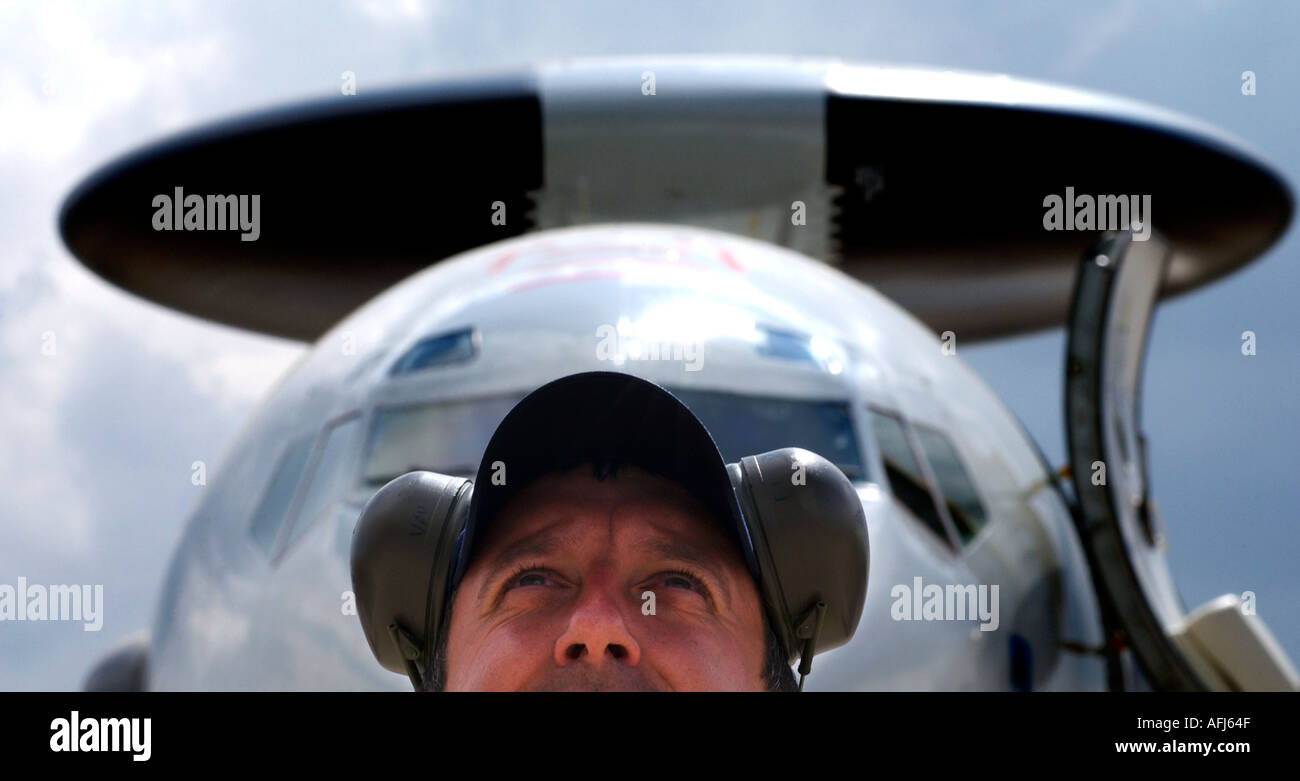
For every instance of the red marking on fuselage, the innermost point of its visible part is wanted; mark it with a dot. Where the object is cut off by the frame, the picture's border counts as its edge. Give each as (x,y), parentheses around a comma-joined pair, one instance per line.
(562,279)
(730,259)
(597,261)
(500,263)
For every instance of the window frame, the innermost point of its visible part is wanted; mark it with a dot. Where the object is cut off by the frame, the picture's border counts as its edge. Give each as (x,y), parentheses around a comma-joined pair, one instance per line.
(316,439)
(950,540)
(966,471)
(287,539)
(861,447)
(358,486)
(473,335)
(271,550)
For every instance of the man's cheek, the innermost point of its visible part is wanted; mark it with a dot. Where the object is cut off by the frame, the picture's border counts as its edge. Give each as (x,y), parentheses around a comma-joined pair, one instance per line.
(500,657)
(709,656)
(686,630)
(687,657)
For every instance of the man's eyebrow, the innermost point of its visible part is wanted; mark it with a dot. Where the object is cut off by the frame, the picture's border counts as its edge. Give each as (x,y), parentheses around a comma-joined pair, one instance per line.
(542,543)
(688,554)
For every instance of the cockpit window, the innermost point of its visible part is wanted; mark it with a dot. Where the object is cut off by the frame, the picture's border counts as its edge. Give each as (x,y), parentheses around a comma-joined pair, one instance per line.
(446,436)
(792,346)
(450,437)
(903,468)
(964,505)
(748,425)
(440,350)
(322,487)
(270,514)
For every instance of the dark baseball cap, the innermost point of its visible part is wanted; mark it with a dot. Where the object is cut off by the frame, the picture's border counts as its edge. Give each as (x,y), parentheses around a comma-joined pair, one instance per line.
(601,417)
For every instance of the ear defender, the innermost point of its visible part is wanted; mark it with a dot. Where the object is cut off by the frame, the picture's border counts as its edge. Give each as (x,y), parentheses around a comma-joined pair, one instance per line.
(803,515)
(402,549)
(810,537)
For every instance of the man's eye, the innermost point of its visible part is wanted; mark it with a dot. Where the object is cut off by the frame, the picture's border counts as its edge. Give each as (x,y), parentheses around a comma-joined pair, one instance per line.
(527,576)
(684,580)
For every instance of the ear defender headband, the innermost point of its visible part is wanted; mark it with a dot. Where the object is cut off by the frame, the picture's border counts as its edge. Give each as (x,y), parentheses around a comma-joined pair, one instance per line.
(795,517)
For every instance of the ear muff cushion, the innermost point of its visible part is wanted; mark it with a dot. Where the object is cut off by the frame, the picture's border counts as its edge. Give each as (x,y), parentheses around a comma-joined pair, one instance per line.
(811,535)
(401,546)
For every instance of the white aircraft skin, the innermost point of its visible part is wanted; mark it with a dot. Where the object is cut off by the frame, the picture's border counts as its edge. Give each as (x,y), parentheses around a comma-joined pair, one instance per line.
(235,617)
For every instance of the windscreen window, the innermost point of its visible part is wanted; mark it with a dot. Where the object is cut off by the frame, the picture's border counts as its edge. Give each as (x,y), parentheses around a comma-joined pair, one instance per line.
(903,470)
(329,476)
(271,512)
(448,437)
(963,501)
(436,351)
(748,425)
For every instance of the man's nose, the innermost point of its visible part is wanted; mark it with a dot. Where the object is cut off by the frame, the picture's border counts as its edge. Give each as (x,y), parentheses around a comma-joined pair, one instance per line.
(597,632)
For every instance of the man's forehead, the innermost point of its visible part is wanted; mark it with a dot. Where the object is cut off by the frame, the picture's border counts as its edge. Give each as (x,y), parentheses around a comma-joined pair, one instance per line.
(649,506)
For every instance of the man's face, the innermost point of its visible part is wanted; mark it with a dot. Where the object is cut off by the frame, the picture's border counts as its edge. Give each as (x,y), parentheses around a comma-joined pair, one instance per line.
(553,599)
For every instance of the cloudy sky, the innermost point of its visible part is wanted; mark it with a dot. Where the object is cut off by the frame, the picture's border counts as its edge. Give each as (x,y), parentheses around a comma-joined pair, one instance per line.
(105,400)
